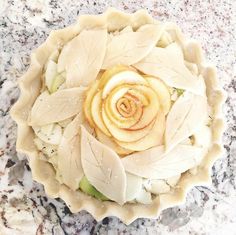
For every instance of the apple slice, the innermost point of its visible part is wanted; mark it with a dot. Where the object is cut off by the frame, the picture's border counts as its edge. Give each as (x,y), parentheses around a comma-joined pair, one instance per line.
(157,187)
(96,107)
(109,73)
(124,77)
(45,148)
(127,106)
(50,73)
(110,106)
(153,138)
(127,91)
(139,96)
(112,99)
(125,135)
(162,91)
(89,189)
(134,186)
(143,113)
(87,103)
(50,133)
(130,107)
(108,141)
(144,197)
(57,82)
(150,110)
(54,56)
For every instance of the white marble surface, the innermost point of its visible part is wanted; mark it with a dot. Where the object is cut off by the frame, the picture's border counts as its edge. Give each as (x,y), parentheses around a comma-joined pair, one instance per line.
(24,207)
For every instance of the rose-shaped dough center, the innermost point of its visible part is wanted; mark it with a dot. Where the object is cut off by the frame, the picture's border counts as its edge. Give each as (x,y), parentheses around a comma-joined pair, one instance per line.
(128,108)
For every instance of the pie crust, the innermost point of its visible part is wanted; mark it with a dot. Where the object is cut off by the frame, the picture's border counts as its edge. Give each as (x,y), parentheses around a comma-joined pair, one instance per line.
(43,172)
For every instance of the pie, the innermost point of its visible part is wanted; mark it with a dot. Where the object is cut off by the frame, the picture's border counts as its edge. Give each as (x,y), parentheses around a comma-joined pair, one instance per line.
(119,114)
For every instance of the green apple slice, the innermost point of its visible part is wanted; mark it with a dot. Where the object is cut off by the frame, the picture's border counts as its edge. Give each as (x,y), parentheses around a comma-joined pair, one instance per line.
(50,73)
(179,91)
(89,189)
(57,82)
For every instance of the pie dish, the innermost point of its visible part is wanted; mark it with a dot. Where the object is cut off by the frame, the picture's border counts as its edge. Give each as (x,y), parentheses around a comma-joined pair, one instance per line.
(119,114)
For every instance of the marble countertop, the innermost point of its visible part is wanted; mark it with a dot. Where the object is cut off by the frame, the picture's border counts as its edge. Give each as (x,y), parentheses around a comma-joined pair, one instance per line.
(24,207)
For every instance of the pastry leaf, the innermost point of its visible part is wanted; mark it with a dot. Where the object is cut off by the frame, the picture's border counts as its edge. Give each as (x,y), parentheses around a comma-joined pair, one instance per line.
(103,168)
(69,154)
(83,56)
(186,115)
(57,106)
(130,47)
(155,163)
(168,65)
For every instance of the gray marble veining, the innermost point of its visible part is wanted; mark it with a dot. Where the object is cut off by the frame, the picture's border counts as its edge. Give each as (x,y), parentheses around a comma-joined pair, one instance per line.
(24,207)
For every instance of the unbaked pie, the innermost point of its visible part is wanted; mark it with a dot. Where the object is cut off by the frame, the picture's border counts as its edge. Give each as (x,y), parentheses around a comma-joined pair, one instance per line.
(119,114)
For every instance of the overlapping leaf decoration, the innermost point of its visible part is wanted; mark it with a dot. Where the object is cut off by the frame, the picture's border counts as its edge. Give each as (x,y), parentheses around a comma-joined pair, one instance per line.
(168,64)
(155,163)
(187,114)
(83,56)
(129,47)
(103,168)
(57,106)
(146,94)
(69,154)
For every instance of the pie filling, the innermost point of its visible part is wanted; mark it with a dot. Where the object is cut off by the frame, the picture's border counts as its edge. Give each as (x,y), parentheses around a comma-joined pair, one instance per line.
(121,117)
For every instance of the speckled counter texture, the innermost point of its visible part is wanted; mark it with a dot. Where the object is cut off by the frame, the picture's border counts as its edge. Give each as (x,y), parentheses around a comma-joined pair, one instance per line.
(24,207)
